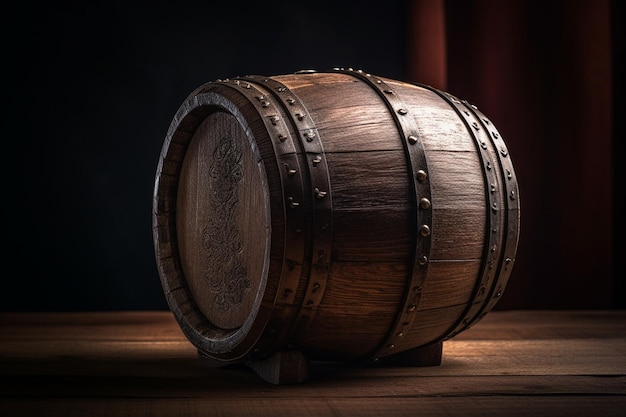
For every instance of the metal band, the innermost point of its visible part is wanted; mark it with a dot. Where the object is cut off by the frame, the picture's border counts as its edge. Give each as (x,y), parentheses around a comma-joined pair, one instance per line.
(418,171)
(510,210)
(319,194)
(500,244)
(291,177)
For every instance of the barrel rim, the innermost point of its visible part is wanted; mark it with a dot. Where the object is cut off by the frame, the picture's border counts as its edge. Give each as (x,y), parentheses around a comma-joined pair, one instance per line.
(219,343)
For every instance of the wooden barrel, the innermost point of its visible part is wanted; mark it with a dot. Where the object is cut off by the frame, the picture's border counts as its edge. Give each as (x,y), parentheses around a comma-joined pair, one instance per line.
(342,214)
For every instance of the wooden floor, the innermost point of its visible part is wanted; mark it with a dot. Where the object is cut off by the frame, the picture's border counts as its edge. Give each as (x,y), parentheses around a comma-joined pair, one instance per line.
(513,363)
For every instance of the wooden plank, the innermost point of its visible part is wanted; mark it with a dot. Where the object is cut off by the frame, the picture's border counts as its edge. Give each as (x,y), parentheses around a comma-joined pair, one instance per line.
(242,384)
(516,363)
(510,406)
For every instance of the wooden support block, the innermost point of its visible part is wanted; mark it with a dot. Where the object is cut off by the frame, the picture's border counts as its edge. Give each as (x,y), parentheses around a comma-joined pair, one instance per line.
(429,355)
(284,367)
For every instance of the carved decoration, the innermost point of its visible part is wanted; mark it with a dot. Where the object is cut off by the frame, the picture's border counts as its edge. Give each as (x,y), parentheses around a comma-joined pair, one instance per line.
(226,275)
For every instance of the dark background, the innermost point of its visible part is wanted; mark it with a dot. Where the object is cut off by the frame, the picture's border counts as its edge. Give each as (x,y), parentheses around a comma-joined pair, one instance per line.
(92,89)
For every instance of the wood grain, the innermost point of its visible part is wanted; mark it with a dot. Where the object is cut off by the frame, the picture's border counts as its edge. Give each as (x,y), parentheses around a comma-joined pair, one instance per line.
(333,167)
(518,363)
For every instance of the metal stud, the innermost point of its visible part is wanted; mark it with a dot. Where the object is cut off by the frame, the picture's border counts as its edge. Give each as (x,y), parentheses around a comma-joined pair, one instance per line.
(425,203)
(421,175)
(424,230)
(412,139)
(320,194)
(292,202)
(274,119)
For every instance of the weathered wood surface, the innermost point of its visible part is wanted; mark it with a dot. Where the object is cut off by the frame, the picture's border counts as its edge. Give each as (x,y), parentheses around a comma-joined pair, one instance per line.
(513,363)
(345,215)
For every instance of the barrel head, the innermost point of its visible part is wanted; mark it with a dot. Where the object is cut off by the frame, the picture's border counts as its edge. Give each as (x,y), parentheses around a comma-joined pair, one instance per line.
(221,226)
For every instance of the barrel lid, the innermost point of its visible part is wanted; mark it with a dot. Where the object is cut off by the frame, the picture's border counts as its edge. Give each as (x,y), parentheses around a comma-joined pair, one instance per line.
(221,222)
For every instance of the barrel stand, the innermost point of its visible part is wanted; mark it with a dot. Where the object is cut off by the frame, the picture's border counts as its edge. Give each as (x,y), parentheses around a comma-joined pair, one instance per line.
(293,367)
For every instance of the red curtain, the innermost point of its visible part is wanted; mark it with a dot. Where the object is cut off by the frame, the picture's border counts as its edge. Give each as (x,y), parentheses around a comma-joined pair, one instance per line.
(542,71)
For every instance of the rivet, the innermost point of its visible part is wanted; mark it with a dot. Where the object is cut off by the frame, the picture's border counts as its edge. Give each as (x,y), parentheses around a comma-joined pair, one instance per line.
(492,188)
(412,139)
(509,174)
(391,346)
(287,292)
(421,175)
(300,116)
(265,103)
(488,165)
(423,260)
(400,334)
(290,171)
(309,302)
(504,152)
(512,196)
(320,194)
(317,159)
(290,101)
(292,202)
(483,144)
(274,119)
(425,203)
(309,135)
(402,111)
(281,89)
(495,135)
(316,286)
(412,308)
(494,206)
(424,230)
(486,121)
(475,126)
(282,137)
(493,248)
